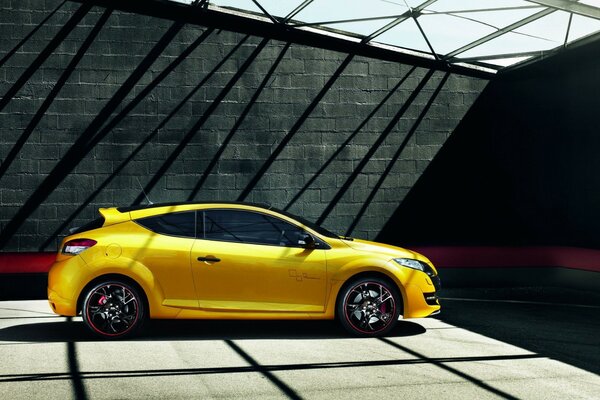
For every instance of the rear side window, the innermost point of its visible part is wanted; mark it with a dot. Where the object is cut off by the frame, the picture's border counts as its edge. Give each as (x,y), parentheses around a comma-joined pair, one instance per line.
(176,224)
(249,227)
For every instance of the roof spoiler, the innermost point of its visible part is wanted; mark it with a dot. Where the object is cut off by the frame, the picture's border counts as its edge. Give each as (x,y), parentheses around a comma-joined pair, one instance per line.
(113,216)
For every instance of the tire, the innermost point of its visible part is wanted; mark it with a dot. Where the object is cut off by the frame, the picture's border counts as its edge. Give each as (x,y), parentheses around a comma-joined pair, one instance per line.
(369,307)
(113,309)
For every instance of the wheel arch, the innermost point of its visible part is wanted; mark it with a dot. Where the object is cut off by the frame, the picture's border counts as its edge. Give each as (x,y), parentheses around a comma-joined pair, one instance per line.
(127,269)
(369,274)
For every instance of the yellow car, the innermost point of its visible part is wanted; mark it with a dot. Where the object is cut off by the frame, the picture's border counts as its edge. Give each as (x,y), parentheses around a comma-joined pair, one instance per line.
(232,261)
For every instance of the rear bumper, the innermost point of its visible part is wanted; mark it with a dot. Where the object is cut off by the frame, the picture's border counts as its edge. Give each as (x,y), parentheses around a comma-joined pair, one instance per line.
(64,285)
(61,306)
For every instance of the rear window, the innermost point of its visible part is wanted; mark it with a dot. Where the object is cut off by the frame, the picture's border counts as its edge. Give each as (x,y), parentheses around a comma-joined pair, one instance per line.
(181,224)
(95,224)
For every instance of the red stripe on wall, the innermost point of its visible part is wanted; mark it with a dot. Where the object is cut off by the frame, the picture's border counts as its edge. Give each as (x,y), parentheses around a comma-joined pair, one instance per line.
(512,257)
(441,256)
(15,263)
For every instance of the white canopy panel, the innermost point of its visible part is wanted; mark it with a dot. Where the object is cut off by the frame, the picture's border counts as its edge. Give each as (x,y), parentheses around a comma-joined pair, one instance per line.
(490,34)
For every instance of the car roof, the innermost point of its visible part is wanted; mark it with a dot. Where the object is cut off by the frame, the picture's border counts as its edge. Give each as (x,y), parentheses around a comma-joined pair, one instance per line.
(140,211)
(189,203)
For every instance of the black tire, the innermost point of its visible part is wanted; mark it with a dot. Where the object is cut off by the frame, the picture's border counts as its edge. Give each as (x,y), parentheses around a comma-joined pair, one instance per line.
(369,307)
(113,309)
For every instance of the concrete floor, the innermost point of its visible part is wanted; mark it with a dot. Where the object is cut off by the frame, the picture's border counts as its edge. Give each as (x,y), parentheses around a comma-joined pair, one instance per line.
(51,357)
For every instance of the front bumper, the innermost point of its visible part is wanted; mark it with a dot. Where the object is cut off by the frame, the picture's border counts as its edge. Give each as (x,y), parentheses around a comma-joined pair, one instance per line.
(417,305)
(421,296)
(431,299)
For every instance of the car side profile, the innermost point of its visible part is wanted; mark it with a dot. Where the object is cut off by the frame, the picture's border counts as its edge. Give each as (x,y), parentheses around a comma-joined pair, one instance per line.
(232,261)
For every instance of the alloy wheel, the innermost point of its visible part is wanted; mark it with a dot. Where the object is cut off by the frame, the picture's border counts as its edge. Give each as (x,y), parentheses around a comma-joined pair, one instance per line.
(112,309)
(369,307)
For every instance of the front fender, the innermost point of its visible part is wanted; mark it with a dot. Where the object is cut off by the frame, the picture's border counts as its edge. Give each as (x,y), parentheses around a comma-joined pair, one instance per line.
(376,265)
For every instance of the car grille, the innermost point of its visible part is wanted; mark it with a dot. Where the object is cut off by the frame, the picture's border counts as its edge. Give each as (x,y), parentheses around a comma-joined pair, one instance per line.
(437,283)
(431,299)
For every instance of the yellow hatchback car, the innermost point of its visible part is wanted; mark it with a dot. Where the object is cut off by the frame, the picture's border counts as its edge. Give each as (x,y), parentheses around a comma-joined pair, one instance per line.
(232,261)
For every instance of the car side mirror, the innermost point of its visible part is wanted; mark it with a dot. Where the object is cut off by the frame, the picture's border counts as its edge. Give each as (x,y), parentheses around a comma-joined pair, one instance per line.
(307,241)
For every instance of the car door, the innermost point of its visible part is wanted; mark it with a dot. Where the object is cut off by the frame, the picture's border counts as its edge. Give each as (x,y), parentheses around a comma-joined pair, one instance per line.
(246,260)
(166,250)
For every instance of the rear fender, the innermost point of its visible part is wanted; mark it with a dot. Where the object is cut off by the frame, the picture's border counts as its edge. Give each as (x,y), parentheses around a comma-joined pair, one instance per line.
(134,270)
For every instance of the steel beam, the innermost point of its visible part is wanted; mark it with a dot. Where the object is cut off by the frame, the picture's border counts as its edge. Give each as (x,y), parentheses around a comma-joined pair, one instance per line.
(426,38)
(571,6)
(475,10)
(343,21)
(499,32)
(410,13)
(296,10)
(264,11)
(536,53)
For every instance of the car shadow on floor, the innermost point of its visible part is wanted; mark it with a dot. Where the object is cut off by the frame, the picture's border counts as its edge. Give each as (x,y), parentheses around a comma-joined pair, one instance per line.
(75,331)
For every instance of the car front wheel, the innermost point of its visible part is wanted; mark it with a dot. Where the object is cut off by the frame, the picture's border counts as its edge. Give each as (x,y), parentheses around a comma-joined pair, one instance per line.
(369,307)
(113,309)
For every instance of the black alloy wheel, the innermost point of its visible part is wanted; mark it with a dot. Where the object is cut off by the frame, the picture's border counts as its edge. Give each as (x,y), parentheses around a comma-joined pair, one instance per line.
(369,307)
(113,309)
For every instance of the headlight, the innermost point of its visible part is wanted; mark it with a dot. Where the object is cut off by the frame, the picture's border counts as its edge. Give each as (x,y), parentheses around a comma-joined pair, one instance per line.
(415,264)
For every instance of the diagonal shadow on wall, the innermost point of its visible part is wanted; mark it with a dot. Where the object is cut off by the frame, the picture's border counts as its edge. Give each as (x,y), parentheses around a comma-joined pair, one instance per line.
(194,130)
(14,151)
(44,54)
(30,34)
(348,140)
(148,138)
(87,140)
(294,129)
(238,122)
(374,147)
(396,155)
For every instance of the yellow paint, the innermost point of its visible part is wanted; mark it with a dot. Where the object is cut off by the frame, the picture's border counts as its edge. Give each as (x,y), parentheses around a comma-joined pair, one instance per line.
(250,282)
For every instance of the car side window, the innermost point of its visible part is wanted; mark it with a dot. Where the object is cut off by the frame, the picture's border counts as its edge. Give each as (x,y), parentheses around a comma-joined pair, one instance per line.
(249,227)
(175,224)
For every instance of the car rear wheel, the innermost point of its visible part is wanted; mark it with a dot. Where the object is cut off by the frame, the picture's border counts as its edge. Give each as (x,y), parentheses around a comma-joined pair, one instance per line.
(369,307)
(113,309)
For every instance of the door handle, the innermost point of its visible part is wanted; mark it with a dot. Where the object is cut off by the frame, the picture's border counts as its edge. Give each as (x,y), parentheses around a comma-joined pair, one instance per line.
(209,259)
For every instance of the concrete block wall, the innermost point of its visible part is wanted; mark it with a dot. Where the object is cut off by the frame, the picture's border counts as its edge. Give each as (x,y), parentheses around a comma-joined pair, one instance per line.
(237,118)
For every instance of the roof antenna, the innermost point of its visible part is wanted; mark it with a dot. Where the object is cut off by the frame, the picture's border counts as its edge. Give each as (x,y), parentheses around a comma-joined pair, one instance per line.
(143,191)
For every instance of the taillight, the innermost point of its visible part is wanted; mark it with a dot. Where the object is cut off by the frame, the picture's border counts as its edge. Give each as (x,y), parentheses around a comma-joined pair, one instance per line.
(76,246)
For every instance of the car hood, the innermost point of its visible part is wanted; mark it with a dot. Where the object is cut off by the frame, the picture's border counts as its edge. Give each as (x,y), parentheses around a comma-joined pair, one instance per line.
(384,249)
